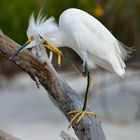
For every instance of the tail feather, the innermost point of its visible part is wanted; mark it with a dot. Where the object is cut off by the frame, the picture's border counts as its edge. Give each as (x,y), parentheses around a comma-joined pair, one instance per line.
(123,50)
(119,66)
(122,53)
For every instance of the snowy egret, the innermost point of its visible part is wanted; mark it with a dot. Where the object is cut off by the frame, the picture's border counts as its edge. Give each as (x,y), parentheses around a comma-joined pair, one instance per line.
(36,31)
(89,38)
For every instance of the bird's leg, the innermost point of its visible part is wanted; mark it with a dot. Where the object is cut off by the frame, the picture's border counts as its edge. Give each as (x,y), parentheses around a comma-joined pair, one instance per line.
(79,114)
(89,81)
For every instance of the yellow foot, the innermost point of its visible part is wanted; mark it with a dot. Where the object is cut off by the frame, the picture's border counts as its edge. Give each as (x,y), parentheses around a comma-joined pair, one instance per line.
(79,114)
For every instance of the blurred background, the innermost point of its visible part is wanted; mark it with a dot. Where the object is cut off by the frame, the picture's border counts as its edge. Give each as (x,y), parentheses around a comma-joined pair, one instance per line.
(28,113)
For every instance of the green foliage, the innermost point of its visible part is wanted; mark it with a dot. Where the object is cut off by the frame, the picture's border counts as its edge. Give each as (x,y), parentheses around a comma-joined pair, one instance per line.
(122,17)
(14,14)
(14,17)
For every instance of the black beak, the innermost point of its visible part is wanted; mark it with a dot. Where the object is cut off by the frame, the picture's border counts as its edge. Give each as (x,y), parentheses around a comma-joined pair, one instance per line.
(18,51)
(40,36)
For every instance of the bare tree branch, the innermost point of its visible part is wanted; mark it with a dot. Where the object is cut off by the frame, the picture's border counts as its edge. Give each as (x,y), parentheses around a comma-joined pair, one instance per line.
(6,136)
(64,97)
(65,136)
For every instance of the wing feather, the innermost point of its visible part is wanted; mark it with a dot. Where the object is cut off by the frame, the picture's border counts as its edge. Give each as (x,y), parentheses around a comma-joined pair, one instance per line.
(93,41)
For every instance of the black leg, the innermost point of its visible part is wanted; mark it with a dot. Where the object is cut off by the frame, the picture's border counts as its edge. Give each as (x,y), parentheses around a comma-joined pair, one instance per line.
(87,90)
(86,71)
(79,114)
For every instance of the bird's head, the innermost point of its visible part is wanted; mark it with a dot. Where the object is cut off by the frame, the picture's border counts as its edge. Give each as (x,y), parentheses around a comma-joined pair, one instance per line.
(38,30)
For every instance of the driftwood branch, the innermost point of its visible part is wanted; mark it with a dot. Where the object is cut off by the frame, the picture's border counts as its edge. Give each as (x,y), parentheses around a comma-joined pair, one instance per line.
(64,97)
(65,136)
(6,136)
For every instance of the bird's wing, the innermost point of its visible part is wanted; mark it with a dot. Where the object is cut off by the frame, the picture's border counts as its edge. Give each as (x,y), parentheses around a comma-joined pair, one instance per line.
(97,39)
(105,50)
(93,41)
(84,32)
(89,38)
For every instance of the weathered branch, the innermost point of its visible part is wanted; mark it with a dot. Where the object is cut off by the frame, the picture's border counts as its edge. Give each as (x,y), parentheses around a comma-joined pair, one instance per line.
(6,136)
(64,97)
(65,136)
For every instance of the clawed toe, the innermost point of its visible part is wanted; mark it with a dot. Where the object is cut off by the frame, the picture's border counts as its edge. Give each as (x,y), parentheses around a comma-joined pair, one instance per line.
(79,114)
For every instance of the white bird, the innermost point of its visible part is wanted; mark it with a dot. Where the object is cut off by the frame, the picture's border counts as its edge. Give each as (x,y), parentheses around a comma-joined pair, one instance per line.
(88,37)
(36,29)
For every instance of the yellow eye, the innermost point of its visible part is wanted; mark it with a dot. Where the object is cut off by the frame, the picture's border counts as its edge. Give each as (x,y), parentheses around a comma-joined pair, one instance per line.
(31,39)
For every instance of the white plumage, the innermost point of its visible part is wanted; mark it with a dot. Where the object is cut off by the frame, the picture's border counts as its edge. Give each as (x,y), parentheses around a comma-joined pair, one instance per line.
(92,41)
(44,27)
(83,33)
(88,37)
